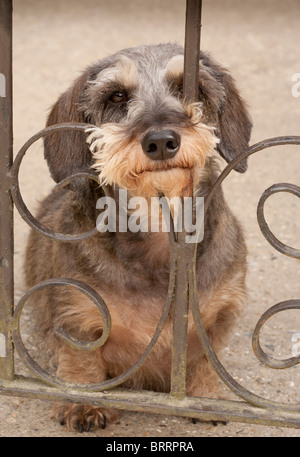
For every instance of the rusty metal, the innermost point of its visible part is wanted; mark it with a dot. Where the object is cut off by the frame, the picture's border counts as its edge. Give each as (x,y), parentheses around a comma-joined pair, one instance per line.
(184,252)
(271,362)
(15,189)
(181,296)
(270,237)
(6,204)
(99,302)
(260,146)
(192,50)
(156,403)
(60,332)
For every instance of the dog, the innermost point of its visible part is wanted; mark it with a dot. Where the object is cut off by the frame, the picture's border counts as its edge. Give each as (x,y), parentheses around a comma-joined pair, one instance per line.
(148,141)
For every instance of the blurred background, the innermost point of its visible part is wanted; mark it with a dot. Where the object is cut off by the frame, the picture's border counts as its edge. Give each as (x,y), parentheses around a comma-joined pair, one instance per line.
(259,42)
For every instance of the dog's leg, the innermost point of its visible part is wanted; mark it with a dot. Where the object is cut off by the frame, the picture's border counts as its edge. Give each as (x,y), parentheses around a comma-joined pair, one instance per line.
(204,380)
(81,367)
(204,383)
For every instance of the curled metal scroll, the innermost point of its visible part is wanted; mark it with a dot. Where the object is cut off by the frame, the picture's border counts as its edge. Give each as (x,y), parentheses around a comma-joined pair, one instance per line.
(270,237)
(15,189)
(267,360)
(61,333)
(88,346)
(234,386)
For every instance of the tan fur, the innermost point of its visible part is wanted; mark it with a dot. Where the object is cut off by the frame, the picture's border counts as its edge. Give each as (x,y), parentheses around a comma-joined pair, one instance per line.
(122,162)
(124,72)
(175,67)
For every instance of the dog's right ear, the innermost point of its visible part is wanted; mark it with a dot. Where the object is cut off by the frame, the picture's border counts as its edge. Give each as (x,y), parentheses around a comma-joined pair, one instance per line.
(234,124)
(233,121)
(67,152)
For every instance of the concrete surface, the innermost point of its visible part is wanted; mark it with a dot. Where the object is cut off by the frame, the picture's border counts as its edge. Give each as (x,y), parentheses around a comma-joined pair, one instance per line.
(259,40)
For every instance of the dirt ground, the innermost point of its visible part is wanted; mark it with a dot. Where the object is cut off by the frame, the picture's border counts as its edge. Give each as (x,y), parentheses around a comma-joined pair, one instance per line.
(259,40)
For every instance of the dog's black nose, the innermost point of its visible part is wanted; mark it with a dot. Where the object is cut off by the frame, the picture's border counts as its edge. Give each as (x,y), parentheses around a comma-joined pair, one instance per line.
(161,145)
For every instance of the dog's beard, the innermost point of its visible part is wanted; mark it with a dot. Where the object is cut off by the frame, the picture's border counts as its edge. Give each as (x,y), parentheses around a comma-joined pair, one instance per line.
(122,162)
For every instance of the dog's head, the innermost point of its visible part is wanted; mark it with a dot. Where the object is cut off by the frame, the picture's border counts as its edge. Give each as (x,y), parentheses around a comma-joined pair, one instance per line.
(148,139)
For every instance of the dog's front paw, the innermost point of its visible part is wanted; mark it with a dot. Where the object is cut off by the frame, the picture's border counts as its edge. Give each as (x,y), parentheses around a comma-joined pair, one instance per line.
(82,418)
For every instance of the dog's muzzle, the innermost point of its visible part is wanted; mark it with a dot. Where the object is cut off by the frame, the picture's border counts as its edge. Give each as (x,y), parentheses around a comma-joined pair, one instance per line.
(161,145)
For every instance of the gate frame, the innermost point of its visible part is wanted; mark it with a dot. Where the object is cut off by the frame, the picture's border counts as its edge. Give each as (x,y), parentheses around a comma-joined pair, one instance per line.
(182,290)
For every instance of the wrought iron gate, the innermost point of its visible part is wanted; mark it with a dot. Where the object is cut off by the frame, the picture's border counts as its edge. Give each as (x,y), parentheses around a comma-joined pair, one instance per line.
(248,407)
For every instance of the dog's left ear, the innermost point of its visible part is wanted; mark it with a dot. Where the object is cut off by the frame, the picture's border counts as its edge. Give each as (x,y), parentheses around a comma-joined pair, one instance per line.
(234,124)
(67,152)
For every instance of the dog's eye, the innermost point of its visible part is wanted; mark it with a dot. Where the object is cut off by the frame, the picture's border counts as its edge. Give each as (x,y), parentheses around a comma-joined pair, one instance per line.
(118,97)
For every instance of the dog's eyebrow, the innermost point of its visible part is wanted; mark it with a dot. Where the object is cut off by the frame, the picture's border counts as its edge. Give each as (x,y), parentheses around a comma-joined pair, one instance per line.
(123,72)
(174,67)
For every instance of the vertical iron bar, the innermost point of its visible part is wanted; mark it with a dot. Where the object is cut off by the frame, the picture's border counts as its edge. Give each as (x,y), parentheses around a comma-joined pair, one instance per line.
(180,320)
(192,50)
(6,204)
(184,253)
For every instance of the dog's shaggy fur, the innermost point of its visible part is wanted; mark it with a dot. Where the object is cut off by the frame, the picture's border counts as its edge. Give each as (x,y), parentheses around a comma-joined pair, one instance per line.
(127,95)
